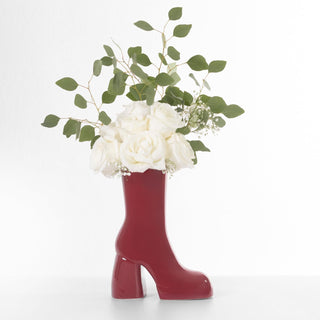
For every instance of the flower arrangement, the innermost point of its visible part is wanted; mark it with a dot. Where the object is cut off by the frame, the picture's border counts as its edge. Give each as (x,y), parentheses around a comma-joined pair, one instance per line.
(150,132)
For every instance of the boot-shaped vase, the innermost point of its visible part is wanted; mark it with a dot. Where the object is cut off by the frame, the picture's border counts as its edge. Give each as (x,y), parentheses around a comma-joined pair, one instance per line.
(142,241)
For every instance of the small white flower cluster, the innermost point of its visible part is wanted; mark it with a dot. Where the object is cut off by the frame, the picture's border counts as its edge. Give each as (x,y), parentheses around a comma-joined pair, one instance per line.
(143,137)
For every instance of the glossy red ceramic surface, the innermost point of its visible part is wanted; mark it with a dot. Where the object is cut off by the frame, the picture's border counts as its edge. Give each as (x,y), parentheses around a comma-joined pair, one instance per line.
(142,241)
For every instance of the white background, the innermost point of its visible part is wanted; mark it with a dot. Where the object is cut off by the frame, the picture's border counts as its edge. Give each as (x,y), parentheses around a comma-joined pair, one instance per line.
(251,206)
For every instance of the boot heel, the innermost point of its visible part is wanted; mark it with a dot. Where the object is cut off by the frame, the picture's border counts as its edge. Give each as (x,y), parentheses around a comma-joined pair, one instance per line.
(126,280)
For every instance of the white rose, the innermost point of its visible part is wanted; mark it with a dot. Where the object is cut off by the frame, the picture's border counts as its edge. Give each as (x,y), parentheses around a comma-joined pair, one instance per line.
(105,156)
(134,117)
(164,119)
(145,150)
(111,132)
(180,151)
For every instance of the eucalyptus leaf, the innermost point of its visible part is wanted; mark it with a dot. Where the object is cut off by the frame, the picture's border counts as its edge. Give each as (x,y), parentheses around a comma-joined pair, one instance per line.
(173,53)
(134,51)
(94,140)
(187,98)
(182,30)
(150,93)
(232,111)
(216,104)
(197,63)
(86,133)
(163,79)
(143,25)
(104,118)
(50,121)
(108,50)
(219,122)
(184,130)
(162,58)
(97,65)
(143,59)
(106,61)
(71,127)
(80,101)
(206,84)
(198,145)
(67,83)
(138,71)
(108,97)
(191,75)
(175,78)
(217,66)
(175,13)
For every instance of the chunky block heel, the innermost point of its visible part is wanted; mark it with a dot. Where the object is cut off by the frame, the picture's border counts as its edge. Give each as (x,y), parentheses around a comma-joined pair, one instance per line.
(126,280)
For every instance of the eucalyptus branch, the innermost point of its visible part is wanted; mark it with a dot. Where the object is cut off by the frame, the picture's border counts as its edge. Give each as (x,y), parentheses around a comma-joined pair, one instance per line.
(95,124)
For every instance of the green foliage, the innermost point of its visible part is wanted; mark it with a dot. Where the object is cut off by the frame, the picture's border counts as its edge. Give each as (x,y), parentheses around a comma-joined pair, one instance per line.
(162,58)
(191,75)
(50,121)
(219,122)
(163,79)
(197,63)
(183,130)
(108,50)
(232,111)
(150,94)
(95,138)
(86,133)
(198,145)
(106,61)
(67,83)
(216,104)
(206,84)
(138,72)
(175,13)
(71,127)
(216,66)
(143,59)
(97,65)
(134,51)
(143,25)
(108,97)
(117,84)
(80,101)
(104,118)
(173,53)
(182,30)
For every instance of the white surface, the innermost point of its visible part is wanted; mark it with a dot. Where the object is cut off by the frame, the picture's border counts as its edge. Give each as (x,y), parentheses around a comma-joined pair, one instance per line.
(251,207)
(247,298)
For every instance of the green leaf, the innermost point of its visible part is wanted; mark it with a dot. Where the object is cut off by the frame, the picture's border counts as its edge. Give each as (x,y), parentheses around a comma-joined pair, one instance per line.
(163,59)
(108,50)
(150,93)
(86,133)
(117,84)
(175,13)
(97,65)
(175,78)
(163,79)
(50,121)
(172,67)
(182,30)
(67,84)
(219,122)
(173,53)
(138,71)
(94,140)
(71,127)
(108,97)
(206,84)
(187,98)
(217,66)
(216,104)
(106,61)
(197,145)
(134,51)
(143,59)
(183,130)
(143,25)
(80,101)
(232,111)
(197,63)
(204,98)
(103,117)
(137,92)
(191,75)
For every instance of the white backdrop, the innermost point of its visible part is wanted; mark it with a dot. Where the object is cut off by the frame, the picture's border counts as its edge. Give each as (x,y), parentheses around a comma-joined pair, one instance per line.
(250,207)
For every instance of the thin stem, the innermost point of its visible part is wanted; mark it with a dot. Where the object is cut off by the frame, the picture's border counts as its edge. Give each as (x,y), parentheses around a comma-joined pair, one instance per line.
(203,80)
(95,124)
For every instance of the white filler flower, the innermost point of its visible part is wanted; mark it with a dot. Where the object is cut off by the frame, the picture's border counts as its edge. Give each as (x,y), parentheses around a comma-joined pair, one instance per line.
(180,151)
(145,150)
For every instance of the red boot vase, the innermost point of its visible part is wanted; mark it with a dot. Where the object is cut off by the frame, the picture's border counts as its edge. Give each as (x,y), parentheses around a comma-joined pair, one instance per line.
(142,241)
